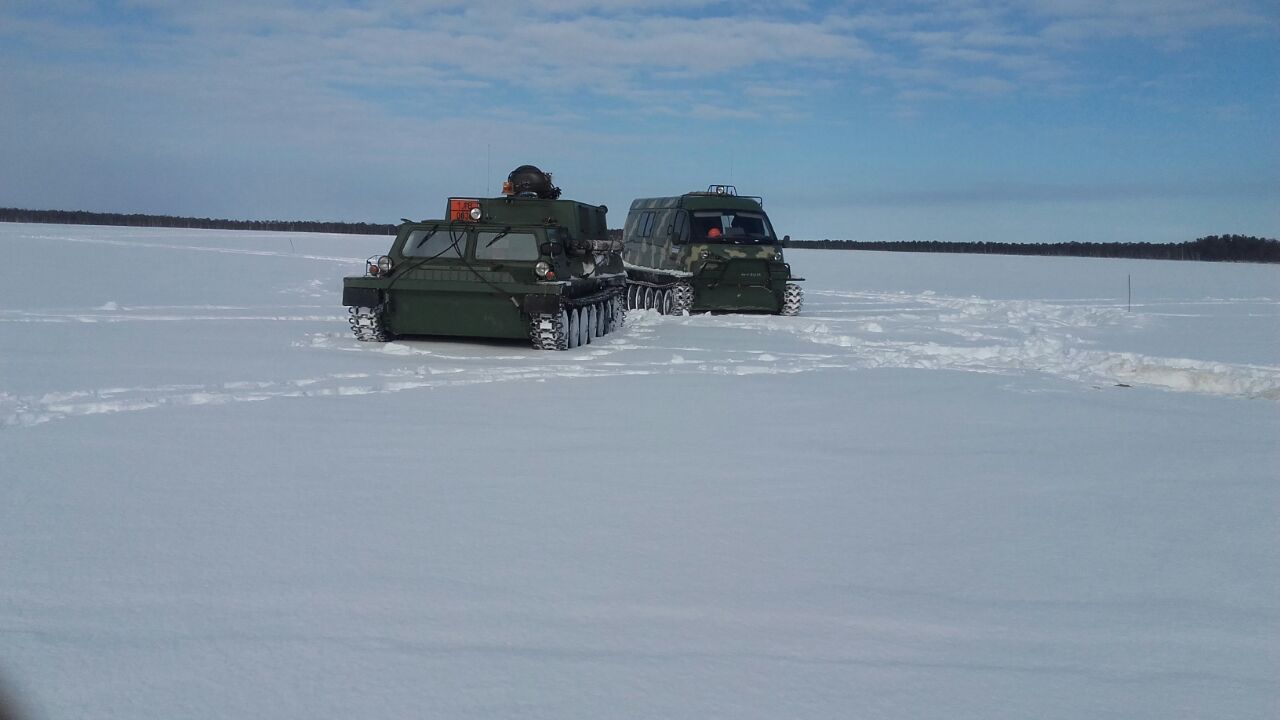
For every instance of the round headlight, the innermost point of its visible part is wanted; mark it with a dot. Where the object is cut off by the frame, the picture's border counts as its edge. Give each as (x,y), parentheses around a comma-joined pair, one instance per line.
(384,264)
(475,213)
(704,254)
(543,271)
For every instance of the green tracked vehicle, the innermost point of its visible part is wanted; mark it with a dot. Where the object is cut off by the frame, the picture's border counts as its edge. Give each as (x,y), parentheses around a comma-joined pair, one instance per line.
(712,250)
(524,265)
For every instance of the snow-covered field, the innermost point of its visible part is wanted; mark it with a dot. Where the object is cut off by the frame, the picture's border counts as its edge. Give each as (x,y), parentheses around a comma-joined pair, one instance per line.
(955,487)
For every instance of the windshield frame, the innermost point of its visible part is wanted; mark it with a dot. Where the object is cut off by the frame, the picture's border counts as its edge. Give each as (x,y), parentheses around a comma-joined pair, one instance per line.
(727,231)
(441,237)
(468,237)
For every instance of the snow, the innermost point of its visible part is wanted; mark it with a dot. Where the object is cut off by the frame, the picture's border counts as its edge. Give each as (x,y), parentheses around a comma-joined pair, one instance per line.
(954,487)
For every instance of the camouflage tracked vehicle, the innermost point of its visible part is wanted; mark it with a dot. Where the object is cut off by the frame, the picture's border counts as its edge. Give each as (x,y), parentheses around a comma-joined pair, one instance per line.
(525,265)
(712,250)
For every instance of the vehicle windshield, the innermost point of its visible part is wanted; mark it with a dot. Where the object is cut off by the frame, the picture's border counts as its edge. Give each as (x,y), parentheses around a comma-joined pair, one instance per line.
(506,245)
(436,242)
(734,226)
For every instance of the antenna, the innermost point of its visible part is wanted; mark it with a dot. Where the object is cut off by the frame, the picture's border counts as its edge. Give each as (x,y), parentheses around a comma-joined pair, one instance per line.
(486,169)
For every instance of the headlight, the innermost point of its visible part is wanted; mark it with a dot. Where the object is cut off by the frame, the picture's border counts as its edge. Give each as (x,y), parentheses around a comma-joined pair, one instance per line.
(384,265)
(476,213)
(543,271)
(778,256)
(704,254)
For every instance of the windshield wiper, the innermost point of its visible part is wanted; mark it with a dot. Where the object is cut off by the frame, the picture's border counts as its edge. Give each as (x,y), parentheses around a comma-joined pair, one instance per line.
(426,237)
(498,237)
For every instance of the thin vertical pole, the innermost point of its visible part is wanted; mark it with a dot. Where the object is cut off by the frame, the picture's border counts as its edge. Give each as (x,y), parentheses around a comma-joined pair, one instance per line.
(1131,293)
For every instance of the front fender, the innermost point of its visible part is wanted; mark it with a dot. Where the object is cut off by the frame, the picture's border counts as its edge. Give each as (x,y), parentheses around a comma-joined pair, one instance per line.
(362,291)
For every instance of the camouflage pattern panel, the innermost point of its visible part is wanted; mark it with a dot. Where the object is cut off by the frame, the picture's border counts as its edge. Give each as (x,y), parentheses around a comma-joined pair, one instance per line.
(691,259)
(659,233)
(750,278)
(651,234)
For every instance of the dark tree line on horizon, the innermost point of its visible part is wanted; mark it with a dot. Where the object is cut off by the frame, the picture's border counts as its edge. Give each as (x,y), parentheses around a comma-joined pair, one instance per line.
(81,217)
(1220,248)
(1217,248)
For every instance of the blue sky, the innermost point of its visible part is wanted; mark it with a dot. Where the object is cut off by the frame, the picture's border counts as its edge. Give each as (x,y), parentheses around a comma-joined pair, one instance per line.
(1053,120)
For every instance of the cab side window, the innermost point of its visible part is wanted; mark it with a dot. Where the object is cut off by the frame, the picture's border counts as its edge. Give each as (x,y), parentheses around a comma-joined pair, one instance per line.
(681,234)
(644,228)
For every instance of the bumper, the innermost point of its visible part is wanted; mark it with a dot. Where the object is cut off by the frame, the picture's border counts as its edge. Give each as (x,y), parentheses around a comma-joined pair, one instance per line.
(747,285)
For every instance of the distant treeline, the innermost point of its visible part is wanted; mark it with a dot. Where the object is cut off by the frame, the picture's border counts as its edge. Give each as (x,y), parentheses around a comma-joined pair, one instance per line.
(80,217)
(1221,248)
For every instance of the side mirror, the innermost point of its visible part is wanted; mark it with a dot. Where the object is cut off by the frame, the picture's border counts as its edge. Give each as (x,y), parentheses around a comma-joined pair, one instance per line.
(786,238)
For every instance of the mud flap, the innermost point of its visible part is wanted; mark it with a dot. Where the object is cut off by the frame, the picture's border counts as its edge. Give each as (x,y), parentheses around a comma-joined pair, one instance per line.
(541,304)
(361,297)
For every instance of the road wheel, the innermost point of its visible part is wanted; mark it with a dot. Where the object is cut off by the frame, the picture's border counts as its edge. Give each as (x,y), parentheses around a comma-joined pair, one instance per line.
(575,321)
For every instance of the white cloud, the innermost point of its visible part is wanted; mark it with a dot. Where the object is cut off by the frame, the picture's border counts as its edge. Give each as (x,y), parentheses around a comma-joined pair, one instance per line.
(621,50)
(985,85)
(715,112)
(399,84)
